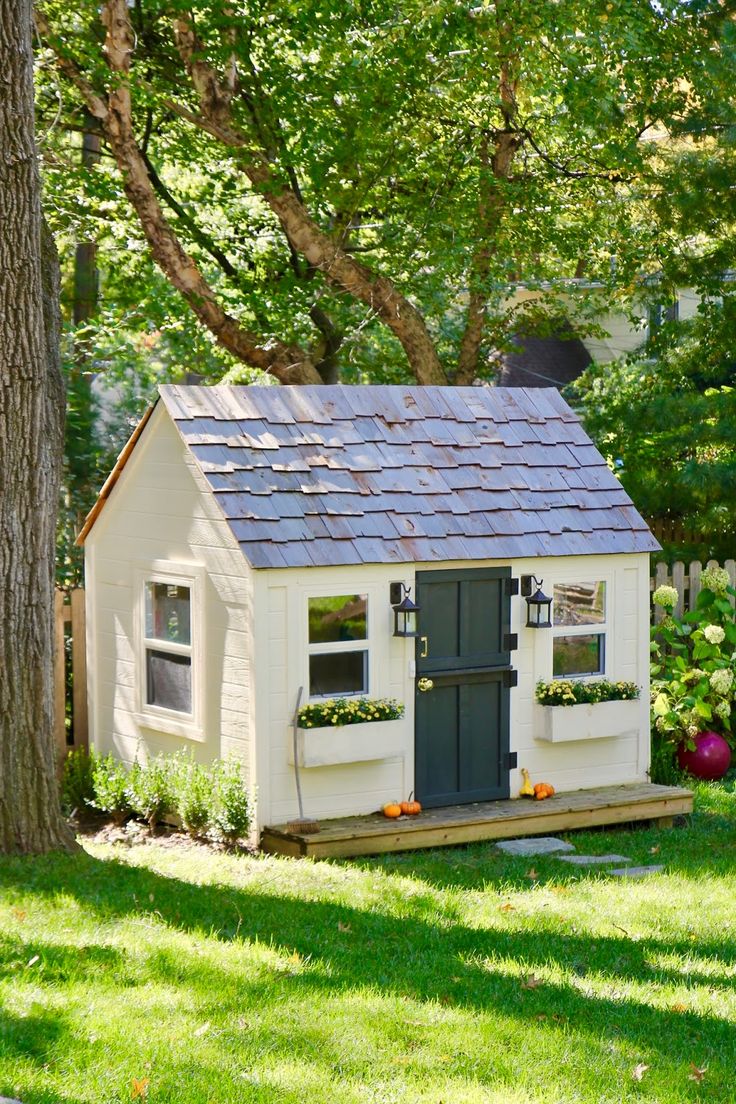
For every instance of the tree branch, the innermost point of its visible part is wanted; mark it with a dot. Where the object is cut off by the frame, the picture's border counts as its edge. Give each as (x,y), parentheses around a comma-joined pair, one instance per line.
(288,363)
(301,230)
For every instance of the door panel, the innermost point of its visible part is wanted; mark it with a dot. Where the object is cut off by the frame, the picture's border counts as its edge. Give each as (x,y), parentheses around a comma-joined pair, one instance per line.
(462,723)
(462,738)
(465,617)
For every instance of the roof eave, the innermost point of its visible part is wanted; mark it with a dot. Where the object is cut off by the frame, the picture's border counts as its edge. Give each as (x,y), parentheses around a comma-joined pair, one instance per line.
(113,476)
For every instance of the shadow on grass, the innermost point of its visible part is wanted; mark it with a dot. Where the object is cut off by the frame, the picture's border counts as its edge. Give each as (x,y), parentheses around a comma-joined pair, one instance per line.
(348,949)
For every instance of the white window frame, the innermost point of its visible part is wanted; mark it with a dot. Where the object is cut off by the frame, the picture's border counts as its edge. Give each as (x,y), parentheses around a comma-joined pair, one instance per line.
(603,628)
(156,717)
(339,646)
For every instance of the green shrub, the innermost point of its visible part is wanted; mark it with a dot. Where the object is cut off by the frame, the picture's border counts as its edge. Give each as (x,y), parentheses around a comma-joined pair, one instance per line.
(693,671)
(231,812)
(77,782)
(151,789)
(110,785)
(195,797)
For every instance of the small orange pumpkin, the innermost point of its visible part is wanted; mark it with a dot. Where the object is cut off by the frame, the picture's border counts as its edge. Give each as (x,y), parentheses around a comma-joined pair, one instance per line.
(411,808)
(543,790)
(392,809)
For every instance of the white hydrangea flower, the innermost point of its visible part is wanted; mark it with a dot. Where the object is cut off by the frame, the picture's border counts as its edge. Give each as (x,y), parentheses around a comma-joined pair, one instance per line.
(714,634)
(722,681)
(715,579)
(723,710)
(666,596)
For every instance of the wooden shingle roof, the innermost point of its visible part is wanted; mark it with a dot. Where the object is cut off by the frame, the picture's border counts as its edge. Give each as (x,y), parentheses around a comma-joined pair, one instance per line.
(387,474)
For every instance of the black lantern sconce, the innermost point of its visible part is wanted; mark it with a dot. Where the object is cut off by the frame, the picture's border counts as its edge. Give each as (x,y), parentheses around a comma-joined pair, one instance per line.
(405,611)
(537,603)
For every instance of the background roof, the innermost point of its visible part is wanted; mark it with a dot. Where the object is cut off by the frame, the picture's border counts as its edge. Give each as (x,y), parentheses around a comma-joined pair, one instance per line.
(345,475)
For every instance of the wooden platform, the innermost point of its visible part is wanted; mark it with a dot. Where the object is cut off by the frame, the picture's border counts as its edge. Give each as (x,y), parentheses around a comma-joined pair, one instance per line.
(488,820)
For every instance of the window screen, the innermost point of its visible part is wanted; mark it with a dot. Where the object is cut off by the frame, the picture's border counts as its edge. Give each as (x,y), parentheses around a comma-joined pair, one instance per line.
(338,673)
(582,654)
(169,680)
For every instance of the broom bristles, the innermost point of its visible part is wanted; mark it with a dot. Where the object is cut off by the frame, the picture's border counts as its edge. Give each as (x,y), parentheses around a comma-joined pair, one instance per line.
(303,827)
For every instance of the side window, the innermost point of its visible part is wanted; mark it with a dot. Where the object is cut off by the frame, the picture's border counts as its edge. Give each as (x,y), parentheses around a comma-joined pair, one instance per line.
(338,645)
(579,617)
(167,645)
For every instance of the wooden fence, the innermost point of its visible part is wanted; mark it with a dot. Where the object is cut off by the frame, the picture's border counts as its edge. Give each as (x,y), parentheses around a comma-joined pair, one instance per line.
(686,578)
(70,671)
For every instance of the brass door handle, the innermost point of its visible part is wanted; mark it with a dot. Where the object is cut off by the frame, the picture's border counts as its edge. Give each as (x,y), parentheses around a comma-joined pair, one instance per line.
(424,684)
(424,650)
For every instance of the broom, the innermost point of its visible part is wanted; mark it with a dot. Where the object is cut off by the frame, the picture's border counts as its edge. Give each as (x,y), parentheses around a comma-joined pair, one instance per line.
(303,826)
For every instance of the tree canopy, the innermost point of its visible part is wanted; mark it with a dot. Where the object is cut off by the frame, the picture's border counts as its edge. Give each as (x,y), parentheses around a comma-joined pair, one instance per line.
(352,187)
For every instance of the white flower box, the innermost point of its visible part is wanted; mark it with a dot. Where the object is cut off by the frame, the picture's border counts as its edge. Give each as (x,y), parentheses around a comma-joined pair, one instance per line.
(355,743)
(559,724)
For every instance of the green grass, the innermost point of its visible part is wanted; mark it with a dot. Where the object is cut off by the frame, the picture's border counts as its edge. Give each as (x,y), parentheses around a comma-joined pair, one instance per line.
(234,979)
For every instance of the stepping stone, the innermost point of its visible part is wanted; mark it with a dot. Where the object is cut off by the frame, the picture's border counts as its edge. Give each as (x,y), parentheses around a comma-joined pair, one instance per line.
(593,860)
(636,871)
(541,845)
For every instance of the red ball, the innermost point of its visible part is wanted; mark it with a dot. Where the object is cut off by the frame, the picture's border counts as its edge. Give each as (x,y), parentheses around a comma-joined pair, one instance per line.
(710,760)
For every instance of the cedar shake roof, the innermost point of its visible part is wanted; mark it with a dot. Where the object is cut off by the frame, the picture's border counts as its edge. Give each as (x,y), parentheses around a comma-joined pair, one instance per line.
(345,475)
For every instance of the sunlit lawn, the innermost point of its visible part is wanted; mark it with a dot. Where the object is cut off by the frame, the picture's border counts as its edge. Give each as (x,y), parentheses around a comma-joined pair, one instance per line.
(454,976)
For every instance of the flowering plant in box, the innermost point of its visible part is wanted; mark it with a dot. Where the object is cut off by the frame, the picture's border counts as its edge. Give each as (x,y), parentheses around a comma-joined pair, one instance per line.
(347,711)
(574,692)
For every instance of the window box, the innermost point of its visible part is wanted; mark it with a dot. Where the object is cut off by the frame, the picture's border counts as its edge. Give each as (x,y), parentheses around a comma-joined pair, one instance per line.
(355,743)
(557,724)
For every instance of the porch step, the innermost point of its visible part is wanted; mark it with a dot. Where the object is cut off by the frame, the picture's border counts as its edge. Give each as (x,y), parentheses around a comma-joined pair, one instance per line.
(488,820)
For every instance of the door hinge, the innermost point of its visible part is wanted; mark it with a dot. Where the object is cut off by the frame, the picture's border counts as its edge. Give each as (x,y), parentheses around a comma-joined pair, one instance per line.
(510,641)
(512,587)
(510,678)
(510,760)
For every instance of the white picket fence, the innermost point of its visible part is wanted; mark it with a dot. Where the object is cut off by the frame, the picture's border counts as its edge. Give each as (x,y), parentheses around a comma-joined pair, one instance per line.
(686,579)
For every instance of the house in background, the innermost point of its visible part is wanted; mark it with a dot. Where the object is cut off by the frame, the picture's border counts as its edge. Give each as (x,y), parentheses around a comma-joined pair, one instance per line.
(250,544)
(558,359)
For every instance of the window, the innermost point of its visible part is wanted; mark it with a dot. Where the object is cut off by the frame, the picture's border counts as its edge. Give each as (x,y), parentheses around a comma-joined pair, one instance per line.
(167,645)
(338,645)
(576,650)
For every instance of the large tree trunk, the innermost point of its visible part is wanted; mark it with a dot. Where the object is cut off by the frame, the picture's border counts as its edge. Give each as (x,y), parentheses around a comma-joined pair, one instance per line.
(31,423)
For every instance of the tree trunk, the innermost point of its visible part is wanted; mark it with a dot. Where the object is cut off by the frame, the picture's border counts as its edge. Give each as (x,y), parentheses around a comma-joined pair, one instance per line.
(31,423)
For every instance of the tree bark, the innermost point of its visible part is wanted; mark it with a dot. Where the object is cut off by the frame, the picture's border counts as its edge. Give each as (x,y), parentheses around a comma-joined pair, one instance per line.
(31,441)
(491,202)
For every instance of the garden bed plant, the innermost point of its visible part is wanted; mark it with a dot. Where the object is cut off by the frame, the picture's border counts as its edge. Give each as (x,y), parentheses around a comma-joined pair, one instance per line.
(210,802)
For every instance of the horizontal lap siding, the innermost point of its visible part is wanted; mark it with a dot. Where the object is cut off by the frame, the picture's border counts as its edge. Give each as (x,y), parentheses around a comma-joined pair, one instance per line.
(338,790)
(157,511)
(362,787)
(583,764)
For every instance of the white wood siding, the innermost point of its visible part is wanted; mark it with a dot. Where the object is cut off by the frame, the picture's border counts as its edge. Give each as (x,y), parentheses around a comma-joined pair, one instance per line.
(338,791)
(159,511)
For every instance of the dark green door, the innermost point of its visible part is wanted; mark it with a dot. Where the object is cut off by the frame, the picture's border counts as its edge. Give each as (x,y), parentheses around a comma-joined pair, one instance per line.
(462,720)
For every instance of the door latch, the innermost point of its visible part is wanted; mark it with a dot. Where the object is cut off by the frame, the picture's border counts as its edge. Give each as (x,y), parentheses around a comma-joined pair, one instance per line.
(424,649)
(424,684)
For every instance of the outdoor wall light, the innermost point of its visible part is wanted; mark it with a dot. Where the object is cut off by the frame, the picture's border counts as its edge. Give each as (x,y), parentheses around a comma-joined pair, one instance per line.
(405,611)
(537,603)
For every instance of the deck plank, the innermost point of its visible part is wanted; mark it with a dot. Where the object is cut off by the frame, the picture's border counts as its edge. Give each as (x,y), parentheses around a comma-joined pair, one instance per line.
(373,834)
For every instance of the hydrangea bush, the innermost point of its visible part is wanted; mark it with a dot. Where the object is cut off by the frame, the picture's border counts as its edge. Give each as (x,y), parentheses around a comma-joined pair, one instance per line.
(575,692)
(347,711)
(693,669)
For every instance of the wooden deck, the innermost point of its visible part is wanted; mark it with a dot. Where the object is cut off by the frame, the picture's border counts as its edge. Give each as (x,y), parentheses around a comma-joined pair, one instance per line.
(488,820)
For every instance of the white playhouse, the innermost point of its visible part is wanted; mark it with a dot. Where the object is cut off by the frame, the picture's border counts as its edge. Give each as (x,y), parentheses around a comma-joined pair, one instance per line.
(252,543)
